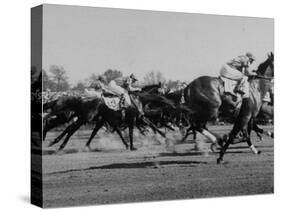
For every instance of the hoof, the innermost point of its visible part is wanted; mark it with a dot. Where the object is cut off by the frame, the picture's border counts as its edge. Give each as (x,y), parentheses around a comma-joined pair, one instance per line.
(259,152)
(87,149)
(133,149)
(219,161)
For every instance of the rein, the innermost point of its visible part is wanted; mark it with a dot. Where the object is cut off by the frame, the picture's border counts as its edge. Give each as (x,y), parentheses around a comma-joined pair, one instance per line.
(261,77)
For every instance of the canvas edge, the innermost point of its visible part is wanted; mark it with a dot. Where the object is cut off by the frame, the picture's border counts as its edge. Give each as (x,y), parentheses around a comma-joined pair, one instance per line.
(36,190)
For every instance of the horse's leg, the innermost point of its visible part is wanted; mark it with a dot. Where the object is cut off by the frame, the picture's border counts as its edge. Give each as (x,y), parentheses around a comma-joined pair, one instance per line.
(131,136)
(194,134)
(246,135)
(59,120)
(131,123)
(57,139)
(230,139)
(45,130)
(142,129)
(75,127)
(153,127)
(187,133)
(98,126)
(260,131)
(122,138)
(48,126)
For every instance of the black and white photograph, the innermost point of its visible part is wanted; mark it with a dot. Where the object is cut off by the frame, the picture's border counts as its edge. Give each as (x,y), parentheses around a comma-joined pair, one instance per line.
(138,105)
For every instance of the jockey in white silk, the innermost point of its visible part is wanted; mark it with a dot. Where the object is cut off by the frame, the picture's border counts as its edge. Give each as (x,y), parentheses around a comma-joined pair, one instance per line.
(97,88)
(122,85)
(238,69)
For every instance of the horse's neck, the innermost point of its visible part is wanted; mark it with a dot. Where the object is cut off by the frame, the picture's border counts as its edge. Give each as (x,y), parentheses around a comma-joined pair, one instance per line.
(258,89)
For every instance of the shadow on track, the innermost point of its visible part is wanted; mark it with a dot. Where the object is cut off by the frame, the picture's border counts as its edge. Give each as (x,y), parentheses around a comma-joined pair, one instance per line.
(138,165)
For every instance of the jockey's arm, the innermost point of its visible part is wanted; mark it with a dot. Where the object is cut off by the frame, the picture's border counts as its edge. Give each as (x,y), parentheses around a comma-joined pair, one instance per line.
(130,88)
(249,72)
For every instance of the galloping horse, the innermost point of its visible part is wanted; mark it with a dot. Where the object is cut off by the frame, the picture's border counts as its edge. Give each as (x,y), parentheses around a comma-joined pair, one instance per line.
(205,96)
(66,109)
(116,121)
(94,110)
(259,86)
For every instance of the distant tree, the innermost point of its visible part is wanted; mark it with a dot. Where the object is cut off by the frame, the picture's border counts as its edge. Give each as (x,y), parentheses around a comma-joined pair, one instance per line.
(93,77)
(154,77)
(59,77)
(90,80)
(112,74)
(48,83)
(80,87)
(171,84)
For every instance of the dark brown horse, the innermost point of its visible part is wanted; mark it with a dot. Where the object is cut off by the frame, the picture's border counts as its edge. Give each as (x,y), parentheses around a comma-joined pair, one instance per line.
(259,86)
(114,119)
(81,111)
(205,96)
(65,109)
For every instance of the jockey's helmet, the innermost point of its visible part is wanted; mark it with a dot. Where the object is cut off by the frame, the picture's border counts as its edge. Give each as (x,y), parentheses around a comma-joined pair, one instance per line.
(250,56)
(133,77)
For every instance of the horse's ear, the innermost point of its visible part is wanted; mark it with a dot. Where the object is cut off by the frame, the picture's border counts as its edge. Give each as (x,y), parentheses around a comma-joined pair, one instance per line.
(271,54)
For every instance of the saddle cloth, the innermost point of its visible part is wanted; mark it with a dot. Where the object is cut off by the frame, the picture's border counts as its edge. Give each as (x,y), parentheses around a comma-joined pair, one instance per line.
(112,102)
(229,85)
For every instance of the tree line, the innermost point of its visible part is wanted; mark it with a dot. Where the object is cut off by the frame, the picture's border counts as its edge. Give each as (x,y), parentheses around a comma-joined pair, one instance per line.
(56,79)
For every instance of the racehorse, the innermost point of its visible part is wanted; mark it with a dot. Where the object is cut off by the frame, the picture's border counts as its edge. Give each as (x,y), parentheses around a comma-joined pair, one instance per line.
(260,85)
(94,110)
(116,121)
(205,95)
(65,109)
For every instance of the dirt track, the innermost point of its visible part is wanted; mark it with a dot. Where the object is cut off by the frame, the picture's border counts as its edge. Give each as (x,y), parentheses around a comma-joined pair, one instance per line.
(153,172)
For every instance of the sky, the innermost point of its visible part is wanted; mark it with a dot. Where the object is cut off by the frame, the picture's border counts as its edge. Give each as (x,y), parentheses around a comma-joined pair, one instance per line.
(183,46)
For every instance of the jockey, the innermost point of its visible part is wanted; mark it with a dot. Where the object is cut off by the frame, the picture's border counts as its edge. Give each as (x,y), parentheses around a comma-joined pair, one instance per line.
(97,88)
(121,87)
(238,69)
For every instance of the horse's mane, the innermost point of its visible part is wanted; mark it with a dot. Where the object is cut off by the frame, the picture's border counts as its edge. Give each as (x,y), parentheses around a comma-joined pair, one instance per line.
(262,67)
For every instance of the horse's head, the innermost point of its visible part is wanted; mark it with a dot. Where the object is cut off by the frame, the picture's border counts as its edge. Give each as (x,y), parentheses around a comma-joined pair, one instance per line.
(152,89)
(266,69)
(265,72)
